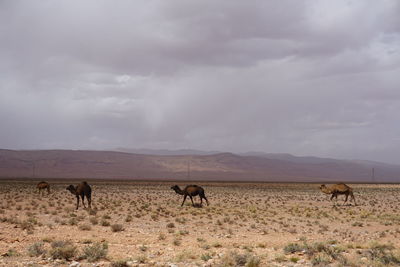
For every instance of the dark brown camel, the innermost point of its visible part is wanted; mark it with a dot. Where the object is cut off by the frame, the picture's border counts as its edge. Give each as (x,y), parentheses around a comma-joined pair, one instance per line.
(191,191)
(42,186)
(338,189)
(81,190)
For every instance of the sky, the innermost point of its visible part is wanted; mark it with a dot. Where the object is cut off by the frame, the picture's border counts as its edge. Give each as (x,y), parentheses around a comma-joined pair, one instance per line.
(317,78)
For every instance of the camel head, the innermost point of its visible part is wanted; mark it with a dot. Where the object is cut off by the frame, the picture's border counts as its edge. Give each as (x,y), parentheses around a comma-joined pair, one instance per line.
(71,189)
(177,189)
(325,189)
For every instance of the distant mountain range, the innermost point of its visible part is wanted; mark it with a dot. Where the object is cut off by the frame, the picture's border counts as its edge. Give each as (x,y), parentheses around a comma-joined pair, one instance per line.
(166,152)
(193,165)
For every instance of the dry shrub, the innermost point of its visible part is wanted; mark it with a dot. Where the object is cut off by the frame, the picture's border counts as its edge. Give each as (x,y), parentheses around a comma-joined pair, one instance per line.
(120,263)
(11,253)
(171,225)
(383,253)
(85,227)
(63,250)
(236,259)
(117,227)
(105,223)
(94,220)
(128,218)
(36,249)
(27,225)
(95,252)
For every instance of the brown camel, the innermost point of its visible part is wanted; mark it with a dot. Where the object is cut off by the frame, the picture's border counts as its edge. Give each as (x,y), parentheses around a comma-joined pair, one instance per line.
(338,189)
(191,191)
(81,190)
(42,186)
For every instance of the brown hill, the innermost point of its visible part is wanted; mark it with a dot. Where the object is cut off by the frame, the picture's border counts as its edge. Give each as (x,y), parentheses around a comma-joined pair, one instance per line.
(221,167)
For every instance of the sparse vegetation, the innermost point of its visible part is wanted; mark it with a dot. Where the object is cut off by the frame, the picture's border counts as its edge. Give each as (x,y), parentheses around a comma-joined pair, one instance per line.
(119,263)
(245,225)
(117,227)
(95,251)
(63,250)
(36,249)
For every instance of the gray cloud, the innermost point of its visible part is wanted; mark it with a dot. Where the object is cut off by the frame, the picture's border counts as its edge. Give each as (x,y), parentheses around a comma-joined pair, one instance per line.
(304,77)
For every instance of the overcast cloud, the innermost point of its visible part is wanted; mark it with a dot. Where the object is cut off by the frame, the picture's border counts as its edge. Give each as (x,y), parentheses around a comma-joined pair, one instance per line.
(317,78)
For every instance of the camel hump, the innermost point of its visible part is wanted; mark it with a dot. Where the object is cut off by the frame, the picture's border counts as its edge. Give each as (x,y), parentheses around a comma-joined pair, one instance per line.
(193,187)
(85,183)
(342,187)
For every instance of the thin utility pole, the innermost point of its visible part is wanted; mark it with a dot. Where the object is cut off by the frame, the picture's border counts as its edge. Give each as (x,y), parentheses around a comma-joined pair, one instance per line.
(188,169)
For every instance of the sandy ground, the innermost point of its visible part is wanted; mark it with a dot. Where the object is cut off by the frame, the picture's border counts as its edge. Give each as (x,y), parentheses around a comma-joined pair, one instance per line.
(246,224)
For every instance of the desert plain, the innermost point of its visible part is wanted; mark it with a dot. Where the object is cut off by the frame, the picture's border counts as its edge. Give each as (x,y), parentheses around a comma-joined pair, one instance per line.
(134,223)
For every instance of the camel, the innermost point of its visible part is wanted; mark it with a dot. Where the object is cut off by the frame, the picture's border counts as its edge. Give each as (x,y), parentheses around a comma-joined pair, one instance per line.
(191,191)
(42,186)
(81,190)
(338,189)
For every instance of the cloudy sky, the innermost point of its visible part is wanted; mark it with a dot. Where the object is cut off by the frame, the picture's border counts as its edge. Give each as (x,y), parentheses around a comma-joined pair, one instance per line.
(317,78)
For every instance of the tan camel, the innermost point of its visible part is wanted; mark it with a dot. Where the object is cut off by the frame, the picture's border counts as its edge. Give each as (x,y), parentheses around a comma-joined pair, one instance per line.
(338,189)
(42,186)
(191,191)
(81,190)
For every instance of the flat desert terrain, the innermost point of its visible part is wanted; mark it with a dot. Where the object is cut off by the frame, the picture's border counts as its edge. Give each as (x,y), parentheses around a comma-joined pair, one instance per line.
(246,224)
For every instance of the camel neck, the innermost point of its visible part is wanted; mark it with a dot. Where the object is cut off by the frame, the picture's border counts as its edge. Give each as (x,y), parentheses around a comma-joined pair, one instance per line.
(179,191)
(73,190)
(327,190)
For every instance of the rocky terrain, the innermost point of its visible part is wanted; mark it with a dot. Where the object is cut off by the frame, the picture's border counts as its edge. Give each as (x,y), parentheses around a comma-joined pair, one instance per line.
(246,224)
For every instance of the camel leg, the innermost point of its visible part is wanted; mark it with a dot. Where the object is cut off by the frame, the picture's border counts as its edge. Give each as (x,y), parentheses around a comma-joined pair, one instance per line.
(345,200)
(352,197)
(202,200)
(89,199)
(83,201)
(191,198)
(184,198)
(206,200)
(334,195)
(203,196)
(77,202)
